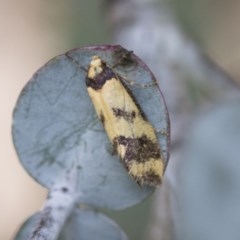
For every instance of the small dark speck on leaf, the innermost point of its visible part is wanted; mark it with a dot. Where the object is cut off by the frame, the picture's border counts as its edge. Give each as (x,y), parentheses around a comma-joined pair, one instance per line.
(79,167)
(64,189)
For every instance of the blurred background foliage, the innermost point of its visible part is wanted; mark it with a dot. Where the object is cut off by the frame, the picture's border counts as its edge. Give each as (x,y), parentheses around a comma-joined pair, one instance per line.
(213,24)
(32,32)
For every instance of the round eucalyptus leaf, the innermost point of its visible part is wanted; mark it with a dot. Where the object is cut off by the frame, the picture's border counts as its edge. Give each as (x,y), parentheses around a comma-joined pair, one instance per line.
(56,130)
(84,224)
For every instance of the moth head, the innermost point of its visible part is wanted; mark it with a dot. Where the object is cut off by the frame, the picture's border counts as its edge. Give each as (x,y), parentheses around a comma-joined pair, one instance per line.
(95,67)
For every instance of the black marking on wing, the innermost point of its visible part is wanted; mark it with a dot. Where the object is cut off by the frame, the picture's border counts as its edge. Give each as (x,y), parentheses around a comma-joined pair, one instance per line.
(128,116)
(99,80)
(140,149)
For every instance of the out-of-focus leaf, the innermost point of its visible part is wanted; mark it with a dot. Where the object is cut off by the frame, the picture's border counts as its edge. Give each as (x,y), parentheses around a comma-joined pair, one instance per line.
(84,224)
(210,181)
(56,130)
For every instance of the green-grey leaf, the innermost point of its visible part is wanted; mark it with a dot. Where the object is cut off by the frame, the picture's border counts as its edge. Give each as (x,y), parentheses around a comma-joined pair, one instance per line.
(56,130)
(209,196)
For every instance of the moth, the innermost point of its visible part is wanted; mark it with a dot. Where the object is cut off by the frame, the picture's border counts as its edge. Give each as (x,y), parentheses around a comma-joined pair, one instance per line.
(133,137)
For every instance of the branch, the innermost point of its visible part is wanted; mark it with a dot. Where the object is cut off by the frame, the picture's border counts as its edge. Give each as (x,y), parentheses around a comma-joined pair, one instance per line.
(58,207)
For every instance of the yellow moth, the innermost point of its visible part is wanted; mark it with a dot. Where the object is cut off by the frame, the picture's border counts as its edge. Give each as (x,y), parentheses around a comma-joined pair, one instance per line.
(132,135)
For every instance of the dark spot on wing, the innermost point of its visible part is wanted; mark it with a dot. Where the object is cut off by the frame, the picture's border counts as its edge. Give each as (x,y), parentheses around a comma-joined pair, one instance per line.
(97,82)
(128,116)
(102,118)
(140,149)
